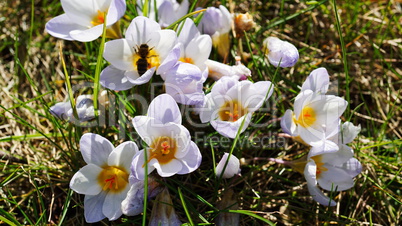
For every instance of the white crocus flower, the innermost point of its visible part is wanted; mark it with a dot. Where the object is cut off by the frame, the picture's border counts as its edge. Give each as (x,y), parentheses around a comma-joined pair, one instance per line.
(135,58)
(230,102)
(184,70)
(280,53)
(170,149)
(332,172)
(217,70)
(232,168)
(83,19)
(217,22)
(105,180)
(315,116)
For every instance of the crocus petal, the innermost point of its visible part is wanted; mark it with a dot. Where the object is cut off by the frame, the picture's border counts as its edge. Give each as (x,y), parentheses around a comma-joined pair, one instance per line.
(123,154)
(141,31)
(82,12)
(166,41)
(317,81)
(199,50)
(135,79)
(133,203)
(116,10)
(323,147)
(223,85)
(138,164)
(120,54)
(281,53)
(287,124)
(230,129)
(254,95)
(335,179)
(60,27)
(310,171)
(87,35)
(60,109)
(112,205)
(166,14)
(208,110)
(188,32)
(192,160)
(114,79)
(93,205)
(85,181)
(319,197)
(95,149)
(169,169)
(349,132)
(170,61)
(232,168)
(165,109)
(353,167)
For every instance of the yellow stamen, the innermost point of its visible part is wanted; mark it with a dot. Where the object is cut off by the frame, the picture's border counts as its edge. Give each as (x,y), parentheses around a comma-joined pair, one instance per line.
(306,118)
(113,178)
(163,149)
(98,19)
(231,111)
(320,165)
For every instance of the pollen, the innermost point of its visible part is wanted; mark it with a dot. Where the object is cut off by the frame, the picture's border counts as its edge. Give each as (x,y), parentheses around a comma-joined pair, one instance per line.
(307,117)
(113,179)
(98,19)
(231,111)
(163,149)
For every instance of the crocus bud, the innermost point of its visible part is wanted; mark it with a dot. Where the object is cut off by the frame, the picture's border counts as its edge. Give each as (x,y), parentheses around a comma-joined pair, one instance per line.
(232,168)
(163,212)
(280,53)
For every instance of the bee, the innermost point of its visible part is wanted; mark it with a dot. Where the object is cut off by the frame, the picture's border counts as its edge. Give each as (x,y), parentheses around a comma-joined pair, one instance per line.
(142,64)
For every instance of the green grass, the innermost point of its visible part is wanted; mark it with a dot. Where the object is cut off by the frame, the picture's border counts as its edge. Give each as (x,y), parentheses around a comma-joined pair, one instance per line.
(358,42)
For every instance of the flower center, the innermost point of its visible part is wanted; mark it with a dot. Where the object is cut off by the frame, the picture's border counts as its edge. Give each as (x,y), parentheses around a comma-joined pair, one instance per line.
(306,118)
(163,149)
(231,111)
(98,19)
(113,178)
(320,165)
(187,60)
(145,57)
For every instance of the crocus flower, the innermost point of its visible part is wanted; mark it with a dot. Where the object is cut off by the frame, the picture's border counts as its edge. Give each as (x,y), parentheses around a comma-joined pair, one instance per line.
(231,102)
(135,58)
(315,117)
(105,180)
(280,53)
(84,106)
(332,172)
(168,11)
(184,70)
(217,23)
(83,19)
(232,168)
(217,70)
(163,212)
(133,204)
(170,149)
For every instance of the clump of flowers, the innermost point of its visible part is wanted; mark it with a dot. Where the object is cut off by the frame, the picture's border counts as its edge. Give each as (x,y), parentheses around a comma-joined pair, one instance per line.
(114,179)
